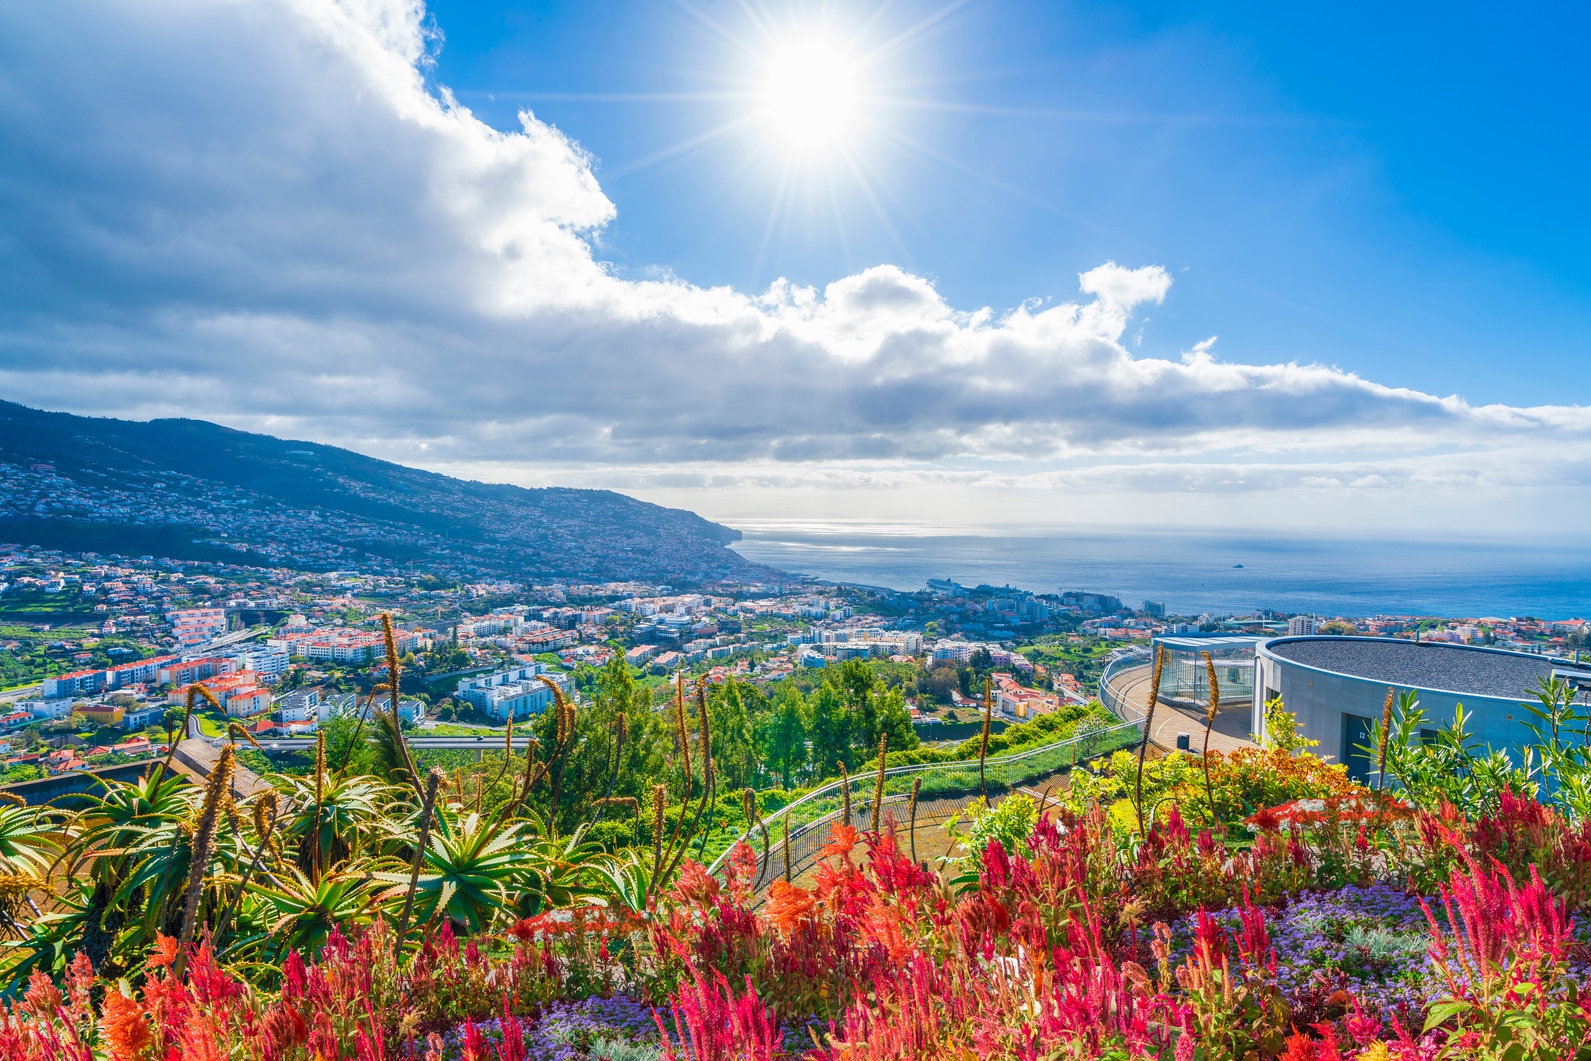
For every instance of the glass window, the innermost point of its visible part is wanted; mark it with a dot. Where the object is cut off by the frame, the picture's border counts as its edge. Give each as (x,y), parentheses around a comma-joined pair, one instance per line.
(1355,753)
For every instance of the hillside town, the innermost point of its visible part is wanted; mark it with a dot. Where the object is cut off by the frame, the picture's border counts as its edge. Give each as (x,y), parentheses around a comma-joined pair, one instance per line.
(99,652)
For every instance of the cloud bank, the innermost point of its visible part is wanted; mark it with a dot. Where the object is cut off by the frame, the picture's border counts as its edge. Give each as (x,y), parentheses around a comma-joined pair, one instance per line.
(267,214)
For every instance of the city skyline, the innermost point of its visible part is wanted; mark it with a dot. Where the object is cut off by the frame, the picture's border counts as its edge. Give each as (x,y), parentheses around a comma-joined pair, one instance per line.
(466,240)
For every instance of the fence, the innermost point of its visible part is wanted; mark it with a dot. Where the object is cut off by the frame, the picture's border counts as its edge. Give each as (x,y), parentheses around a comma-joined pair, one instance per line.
(1116,703)
(808,817)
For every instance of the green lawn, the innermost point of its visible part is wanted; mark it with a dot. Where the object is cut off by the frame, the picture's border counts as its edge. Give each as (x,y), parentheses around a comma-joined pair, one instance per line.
(211,723)
(447,729)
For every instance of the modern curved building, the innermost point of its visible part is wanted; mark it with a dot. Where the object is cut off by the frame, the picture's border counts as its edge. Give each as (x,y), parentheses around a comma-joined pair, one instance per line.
(1337,687)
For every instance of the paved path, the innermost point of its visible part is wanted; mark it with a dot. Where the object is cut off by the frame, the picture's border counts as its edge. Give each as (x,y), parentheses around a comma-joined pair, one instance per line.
(197,758)
(1232,723)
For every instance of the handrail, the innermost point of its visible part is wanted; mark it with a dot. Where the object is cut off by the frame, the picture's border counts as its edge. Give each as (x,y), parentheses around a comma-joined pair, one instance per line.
(1118,705)
(895,771)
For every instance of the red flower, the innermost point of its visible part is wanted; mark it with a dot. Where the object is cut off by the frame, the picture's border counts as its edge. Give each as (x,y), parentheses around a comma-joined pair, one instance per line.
(123,1028)
(696,886)
(788,906)
(1265,821)
(841,839)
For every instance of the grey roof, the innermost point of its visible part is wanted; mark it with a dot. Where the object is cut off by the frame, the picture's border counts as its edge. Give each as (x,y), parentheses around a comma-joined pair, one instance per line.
(1423,665)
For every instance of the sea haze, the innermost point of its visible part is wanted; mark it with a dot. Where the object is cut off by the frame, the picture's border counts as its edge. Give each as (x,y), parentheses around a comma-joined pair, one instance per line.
(1196,573)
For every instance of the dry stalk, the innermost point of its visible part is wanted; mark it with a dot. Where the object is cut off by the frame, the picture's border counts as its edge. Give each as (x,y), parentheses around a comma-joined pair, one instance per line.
(878,790)
(1386,731)
(215,798)
(917,787)
(1209,724)
(659,794)
(320,795)
(983,744)
(1143,745)
(266,810)
(432,779)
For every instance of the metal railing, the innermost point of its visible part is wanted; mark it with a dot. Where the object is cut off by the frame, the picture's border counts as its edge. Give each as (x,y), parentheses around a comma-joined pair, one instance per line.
(999,773)
(1116,703)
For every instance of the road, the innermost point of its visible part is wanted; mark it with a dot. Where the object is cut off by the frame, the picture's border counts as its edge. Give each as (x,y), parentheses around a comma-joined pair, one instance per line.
(233,638)
(23,693)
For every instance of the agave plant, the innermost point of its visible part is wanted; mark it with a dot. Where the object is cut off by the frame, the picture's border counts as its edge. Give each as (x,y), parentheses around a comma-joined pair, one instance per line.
(336,819)
(293,912)
(478,869)
(126,861)
(628,884)
(26,844)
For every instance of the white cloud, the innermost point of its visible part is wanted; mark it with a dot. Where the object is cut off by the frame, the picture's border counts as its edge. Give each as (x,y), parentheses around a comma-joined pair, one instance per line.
(266,214)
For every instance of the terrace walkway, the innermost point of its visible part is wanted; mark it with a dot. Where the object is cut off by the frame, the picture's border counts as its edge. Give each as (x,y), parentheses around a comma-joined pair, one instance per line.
(1232,723)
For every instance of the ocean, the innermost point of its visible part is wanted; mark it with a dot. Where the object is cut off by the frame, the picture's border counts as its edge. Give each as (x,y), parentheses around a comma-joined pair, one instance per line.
(1231,573)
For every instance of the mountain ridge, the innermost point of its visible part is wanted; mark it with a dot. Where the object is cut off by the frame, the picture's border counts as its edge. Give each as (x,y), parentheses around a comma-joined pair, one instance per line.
(308,504)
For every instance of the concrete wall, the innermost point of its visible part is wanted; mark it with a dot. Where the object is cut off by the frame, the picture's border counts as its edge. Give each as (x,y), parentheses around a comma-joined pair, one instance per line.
(1321,698)
(73,790)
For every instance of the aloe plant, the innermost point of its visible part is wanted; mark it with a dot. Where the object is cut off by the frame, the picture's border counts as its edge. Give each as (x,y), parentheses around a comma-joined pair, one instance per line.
(478,869)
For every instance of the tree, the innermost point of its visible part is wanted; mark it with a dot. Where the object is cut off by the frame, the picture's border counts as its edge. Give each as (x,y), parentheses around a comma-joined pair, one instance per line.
(782,736)
(828,728)
(855,682)
(939,682)
(592,766)
(893,720)
(733,749)
(347,749)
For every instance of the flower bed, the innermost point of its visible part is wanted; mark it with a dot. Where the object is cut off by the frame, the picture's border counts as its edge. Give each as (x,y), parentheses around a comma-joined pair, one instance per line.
(1063,938)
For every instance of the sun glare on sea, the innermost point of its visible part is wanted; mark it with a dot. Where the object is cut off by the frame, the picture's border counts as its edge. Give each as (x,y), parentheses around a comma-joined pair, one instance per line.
(811,95)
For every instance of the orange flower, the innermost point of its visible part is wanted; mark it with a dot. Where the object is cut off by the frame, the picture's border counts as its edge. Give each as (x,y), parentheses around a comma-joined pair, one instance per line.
(165,952)
(123,1028)
(787,907)
(841,839)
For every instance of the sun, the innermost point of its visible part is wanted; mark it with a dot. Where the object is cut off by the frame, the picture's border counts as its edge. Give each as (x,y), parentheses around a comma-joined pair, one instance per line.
(810,96)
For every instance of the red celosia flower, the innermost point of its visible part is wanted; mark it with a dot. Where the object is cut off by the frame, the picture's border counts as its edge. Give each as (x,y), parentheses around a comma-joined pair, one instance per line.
(122,1027)
(1265,821)
(164,954)
(696,886)
(842,838)
(787,907)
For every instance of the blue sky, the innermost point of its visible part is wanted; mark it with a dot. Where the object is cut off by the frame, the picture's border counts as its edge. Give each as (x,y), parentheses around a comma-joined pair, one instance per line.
(1395,189)
(984,263)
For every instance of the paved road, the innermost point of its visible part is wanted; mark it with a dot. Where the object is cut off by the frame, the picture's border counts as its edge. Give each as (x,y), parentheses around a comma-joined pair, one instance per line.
(1232,724)
(234,637)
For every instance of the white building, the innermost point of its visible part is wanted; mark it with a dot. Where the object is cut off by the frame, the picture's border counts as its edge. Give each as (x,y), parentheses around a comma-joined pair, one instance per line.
(56,708)
(514,693)
(140,715)
(300,706)
(1303,626)
(268,662)
(409,710)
